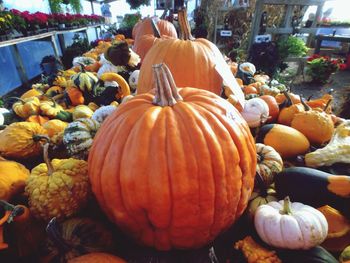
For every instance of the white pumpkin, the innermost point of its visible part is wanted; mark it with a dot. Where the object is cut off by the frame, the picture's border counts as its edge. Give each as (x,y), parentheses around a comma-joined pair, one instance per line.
(247,67)
(290,225)
(103,112)
(133,79)
(2,111)
(255,112)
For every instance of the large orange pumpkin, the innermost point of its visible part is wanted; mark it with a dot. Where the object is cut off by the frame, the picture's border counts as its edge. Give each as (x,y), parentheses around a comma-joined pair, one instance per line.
(144,43)
(173,169)
(191,61)
(144,27)
(97,258)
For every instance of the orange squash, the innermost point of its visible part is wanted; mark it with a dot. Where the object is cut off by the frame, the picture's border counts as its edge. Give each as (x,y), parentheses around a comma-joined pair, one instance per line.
(97,258)
(280,98)
(38,119)
(93,67)
(173,162)
(289,110)
(191,61)
(273,107)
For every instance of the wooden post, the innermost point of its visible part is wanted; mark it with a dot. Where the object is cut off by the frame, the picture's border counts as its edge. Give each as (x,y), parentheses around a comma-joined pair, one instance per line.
(256,21)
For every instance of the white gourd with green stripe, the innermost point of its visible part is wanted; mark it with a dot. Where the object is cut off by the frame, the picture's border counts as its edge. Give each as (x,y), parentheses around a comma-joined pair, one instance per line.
(78,137)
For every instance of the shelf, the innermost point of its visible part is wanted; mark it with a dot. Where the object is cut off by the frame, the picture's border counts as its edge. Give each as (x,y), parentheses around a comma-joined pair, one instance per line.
(76,29)
(25,39)
(43,35)
(293,2)
(289,30)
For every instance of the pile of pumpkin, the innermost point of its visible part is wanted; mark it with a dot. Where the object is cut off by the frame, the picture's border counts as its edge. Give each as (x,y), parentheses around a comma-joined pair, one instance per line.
(173,167)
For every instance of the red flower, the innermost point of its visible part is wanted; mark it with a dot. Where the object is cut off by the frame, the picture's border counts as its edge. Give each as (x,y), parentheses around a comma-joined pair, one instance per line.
(342,66)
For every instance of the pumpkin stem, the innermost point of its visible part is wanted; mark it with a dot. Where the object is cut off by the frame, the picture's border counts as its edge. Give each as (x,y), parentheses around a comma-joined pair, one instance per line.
(288,98)
(155,28)
(184,25)
(327,105)
(306,107)
(50,168)
(166,93)
(54,233)
(286,206)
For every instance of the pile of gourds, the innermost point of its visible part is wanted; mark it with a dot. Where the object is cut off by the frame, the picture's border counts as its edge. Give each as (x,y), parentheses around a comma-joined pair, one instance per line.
(176,164)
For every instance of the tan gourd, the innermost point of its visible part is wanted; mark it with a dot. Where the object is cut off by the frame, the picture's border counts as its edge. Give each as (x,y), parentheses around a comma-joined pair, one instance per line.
(336,151)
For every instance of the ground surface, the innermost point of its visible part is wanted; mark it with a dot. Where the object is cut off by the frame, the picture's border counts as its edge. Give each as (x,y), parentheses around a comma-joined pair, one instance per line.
(339,83)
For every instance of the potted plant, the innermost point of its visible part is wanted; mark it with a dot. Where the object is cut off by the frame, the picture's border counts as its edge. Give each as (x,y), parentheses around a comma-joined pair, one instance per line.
(6,24)
(320,68)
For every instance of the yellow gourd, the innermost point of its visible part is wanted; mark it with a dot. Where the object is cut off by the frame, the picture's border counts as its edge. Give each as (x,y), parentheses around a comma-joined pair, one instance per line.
(54,127)
(26,107)
(124,86)
(82,111)
(13,176)
(21,140)
(50,108)
(57,189)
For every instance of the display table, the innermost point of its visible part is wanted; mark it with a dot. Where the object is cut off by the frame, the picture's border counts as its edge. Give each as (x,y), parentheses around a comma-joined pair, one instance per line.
(336,38)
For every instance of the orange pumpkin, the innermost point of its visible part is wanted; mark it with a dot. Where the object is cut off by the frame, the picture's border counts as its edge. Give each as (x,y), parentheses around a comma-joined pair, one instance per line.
(281,97)
(250,90)
(97,258)
(93,67)
(144,27)
(273,107)
(37,119)
(179,165)
(191,61)
(144,43)
(289,111)
(74,96)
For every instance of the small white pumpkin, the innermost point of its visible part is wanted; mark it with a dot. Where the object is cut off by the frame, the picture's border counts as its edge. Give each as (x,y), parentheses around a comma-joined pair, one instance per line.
(133,79)
(2,111)
(290,225)
(255,112)
(103,112)
(247,67)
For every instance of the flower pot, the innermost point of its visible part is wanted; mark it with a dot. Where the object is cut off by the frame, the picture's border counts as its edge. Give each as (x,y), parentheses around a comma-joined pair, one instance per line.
(61,26)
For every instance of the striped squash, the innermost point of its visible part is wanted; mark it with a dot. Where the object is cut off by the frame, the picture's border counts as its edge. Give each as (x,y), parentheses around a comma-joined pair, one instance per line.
(78,137)
(83,80)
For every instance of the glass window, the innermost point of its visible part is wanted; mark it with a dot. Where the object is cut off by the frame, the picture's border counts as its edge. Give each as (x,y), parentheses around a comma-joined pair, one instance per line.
(32,53)
(9,78)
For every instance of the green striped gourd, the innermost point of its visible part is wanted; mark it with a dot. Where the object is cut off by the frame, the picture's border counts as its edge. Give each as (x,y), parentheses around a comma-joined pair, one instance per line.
(78,137)
(83,80)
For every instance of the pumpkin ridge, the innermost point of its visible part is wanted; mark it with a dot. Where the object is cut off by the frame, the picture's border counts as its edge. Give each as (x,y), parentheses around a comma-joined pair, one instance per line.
(98,175)
(104,180)
(238,150)
(220,132)
(188,113)
(140,126)
(193,162)
(250,145)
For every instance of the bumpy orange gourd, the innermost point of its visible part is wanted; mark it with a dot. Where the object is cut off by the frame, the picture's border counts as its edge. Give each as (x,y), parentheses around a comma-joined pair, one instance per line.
(173,169)
(191,61)
(144,27)
(315,124)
